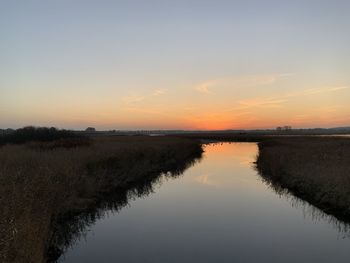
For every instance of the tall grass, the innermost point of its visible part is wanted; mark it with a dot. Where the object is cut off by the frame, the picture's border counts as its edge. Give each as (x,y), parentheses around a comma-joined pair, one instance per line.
(315,169)
(43,192)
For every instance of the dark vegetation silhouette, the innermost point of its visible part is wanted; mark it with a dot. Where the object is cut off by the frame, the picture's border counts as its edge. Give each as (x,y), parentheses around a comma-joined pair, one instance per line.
(90,129)
(38,134)
(70,227)
(313,168)
(55,183)
(45,194)
(45,138)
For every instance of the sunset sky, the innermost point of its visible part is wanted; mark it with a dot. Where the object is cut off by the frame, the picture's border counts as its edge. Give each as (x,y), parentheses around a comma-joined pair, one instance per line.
(174,64)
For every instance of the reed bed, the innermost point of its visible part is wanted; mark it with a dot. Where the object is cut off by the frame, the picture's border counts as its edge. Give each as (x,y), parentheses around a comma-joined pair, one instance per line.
(313,168)
(41,186)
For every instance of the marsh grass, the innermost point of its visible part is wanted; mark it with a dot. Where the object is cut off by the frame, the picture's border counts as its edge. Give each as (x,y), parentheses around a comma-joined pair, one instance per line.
(44,190)
(315,169)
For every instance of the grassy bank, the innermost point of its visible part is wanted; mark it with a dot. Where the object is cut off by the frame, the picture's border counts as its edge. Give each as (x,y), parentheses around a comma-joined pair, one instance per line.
(43,188)
(315,169)
(51,189)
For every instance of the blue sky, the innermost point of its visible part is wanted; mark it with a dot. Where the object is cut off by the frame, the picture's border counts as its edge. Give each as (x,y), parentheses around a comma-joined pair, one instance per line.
(174,64)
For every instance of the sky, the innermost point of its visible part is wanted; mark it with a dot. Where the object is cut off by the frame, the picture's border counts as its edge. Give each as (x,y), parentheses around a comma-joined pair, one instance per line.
(174,64)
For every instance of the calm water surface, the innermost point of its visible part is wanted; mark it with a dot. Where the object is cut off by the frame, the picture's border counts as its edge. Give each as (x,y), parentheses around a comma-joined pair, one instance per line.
(219,210)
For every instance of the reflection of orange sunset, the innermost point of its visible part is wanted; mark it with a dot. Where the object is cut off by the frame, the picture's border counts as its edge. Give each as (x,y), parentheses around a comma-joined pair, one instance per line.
(231,161)
(240,152)
(174,131)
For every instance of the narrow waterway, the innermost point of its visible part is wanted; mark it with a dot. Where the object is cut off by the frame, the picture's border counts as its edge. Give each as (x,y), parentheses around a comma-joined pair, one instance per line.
(219,210)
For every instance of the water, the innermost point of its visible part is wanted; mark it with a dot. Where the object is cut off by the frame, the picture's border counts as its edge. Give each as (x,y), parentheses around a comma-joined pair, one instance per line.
(336,135)
(219,210)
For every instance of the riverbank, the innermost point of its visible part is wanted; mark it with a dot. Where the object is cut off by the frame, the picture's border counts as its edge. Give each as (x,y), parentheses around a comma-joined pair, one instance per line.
(312,168)
(48,186)
(41,188)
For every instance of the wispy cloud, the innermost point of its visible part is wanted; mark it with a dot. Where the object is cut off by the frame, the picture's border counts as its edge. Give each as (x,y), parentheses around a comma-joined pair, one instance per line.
(325,114)
(278,101)
(314,91)
(159,92)
(262,102)
(204,87)
(339,88)
(258,80)
(243,81)
(141,103)
(146,110)
(132,99)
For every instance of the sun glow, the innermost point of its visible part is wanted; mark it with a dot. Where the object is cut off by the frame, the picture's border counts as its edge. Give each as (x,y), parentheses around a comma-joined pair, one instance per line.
(103,67)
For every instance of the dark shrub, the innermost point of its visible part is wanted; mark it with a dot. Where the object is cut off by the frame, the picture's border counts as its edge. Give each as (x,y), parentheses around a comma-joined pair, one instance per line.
(41,134)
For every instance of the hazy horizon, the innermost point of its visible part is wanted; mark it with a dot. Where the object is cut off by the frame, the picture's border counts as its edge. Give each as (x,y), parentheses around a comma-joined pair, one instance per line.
(192,65)
(140,129)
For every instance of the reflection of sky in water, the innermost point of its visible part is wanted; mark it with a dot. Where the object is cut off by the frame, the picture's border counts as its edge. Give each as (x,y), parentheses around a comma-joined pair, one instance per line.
(218,211)
(226,160)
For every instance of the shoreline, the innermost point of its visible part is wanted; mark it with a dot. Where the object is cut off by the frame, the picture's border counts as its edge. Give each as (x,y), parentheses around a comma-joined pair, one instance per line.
(316,170)
(48,188)
(62,185)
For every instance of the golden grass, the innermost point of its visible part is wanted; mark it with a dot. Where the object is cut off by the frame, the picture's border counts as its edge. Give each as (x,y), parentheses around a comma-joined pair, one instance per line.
(40,187)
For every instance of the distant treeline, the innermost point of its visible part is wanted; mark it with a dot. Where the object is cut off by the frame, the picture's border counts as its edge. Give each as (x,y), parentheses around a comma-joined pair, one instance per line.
(38,134)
